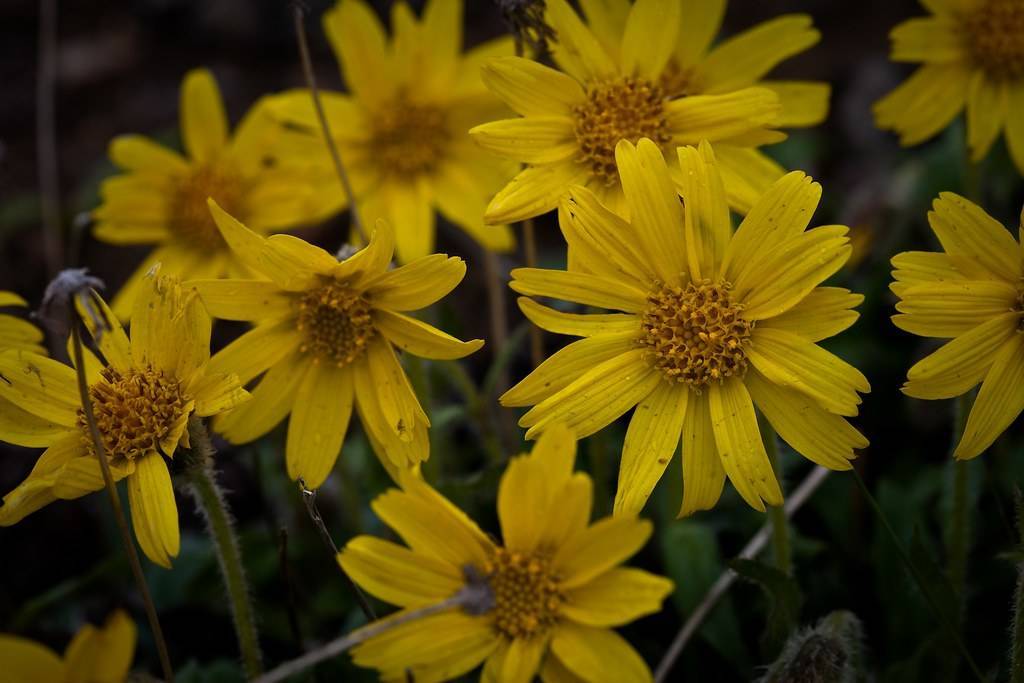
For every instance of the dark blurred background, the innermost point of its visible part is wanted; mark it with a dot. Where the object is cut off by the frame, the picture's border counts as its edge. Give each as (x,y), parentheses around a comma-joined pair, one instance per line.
(119,66)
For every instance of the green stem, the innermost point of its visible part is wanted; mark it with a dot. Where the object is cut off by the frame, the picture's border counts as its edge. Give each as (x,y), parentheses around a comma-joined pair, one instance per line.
(210,500)
(915,574)
(777,514)
(1017,628)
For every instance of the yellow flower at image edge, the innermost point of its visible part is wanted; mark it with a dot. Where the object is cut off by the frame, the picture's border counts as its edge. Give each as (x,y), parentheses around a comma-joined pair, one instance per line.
(973,294)
(142,399)
(402,131)
(324,340)
(556,581)
(972,55)
(712,324)
(16,333)
(96,655)
(260,173)
(645,70)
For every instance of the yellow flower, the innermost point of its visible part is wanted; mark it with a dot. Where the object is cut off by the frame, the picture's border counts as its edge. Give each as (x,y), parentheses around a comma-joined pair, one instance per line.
(402,131)
(142,400)
(257,172)
(713,323)
(325,335)
(972,55)
(95,655)
(645,71)
(972,293)
(556,583)
(16,333)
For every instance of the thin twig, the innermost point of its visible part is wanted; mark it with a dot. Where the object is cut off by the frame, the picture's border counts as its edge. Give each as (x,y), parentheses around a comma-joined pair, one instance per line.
(115,502)
(756,544)
(497,308)
(46,135)
(307,68)
(309,500)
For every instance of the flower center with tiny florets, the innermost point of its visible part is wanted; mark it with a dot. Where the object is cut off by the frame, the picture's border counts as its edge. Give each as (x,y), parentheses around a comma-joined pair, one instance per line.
(995,38)
(695,334)
(408,139)
(626,108)
(526,594)
(134,412)
(336,323)
(190,215)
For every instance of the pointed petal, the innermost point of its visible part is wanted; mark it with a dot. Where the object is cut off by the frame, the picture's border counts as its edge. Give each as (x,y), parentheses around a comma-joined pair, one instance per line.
(319,420)
(204,125)
(154,512)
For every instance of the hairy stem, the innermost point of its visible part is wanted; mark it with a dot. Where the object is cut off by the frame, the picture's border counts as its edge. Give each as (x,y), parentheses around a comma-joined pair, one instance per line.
(210,500)
(1017,630)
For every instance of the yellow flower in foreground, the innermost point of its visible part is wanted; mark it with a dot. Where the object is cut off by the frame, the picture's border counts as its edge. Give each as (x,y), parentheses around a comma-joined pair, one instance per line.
(972,293)
(572,119)
(714,323)
(16,425)
(94,655)
(142,400)
(402,131)
(258,173)
(325,335)
(16,333)
(555,580)
(972,55)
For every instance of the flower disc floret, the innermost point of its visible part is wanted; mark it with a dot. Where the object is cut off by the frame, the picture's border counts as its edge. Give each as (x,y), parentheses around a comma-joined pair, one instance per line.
(626,108)
(336,324)
(135,412)
(408,139)
(695,334)
(191,217)
(526,593)
(995,38)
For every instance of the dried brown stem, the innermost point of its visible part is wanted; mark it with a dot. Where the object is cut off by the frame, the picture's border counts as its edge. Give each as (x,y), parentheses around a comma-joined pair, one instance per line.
(46,135)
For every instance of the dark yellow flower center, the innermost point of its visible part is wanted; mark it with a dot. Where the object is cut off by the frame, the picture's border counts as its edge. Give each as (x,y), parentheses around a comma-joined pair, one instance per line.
(336,324)
(526,594)
(191,221)
(995,38)
(695,334)
(408,139)
(134,412)
(626,108)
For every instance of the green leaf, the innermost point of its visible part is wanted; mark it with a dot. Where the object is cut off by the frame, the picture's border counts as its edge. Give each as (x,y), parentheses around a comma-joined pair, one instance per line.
(932,580)
(784,597)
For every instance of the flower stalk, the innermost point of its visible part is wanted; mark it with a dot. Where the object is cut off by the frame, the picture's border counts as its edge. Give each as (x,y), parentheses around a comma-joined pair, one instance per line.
(202,485)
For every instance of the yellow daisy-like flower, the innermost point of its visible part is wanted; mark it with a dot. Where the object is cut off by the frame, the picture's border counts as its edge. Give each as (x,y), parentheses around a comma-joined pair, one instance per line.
(142,399)
(972,55)
(973,294)
(94,655)
(402,131)
(645,71)
(713,323)
(16,333)
(325,335)
(555,581)
(258,173)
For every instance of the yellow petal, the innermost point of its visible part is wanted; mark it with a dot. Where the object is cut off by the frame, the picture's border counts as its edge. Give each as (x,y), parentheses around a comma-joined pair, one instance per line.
(26,661)
(651,33)
(293,263)
(531,140)
(139,153)
(242,299)
(534,191)
(925,103)
(215,393)
(739,444)
(813,432)
(979,245)
(701,21)
(656,218)
(412,214)
(804,103)
(22,428)
(743,59)
(530,88)
(461,195)
(577,51)
(420,339)
(522,504)
(154,512)
(388,444)
(999,401)
(473,62)
(597,398)
(708,227)
(953,308)
(603,545)
(359,42)
(370,264)
(570,363)
(81,654)
(256,350)
(576,324)
(116,649)
(606,18)
(245,244)
(598,654)
(581,288)
(106,331)
(651,441)
(987,104)
(935,39)
(721,117)
(271,401)
(170,329)
(398,575)
(823,313)
(319,420)
(418,284)
(792,361)
(918,267)
(41,386)
(204,125)
(617,597)
(397,400)
(1015,126)
(522,659)
(747,174)
(703,476)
